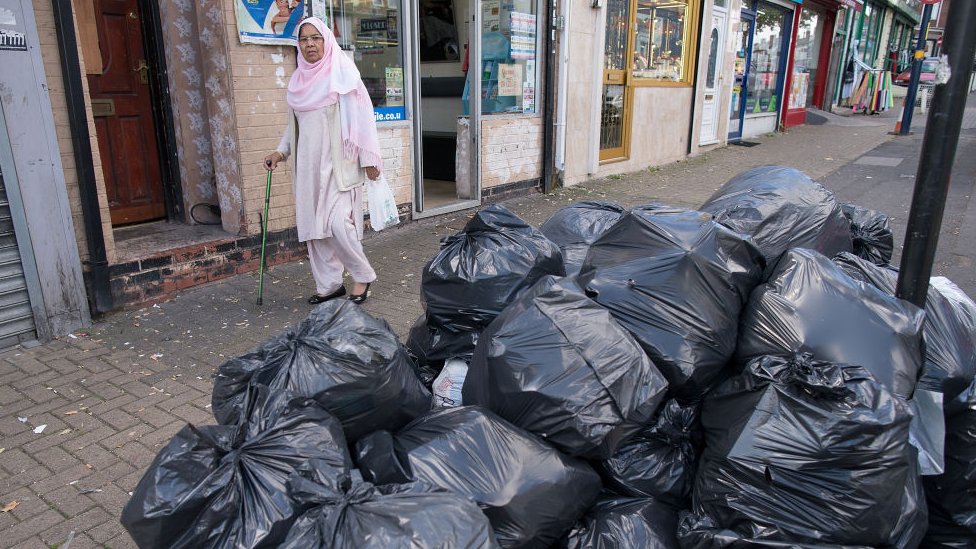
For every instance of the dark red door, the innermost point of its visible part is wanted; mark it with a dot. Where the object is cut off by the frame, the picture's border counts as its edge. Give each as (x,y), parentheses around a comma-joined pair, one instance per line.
(123,116)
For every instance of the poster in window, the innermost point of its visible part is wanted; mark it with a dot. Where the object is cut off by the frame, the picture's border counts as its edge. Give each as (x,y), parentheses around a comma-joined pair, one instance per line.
(798,90)
(394,86)
(268,21)
(438,32)
(528,98)
(509,80)
(491,16)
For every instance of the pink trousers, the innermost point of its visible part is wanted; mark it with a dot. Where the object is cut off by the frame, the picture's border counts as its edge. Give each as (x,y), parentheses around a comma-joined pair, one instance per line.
(330,257)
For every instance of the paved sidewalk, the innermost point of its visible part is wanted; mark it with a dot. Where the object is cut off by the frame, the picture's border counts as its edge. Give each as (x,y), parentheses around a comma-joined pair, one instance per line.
(110,397)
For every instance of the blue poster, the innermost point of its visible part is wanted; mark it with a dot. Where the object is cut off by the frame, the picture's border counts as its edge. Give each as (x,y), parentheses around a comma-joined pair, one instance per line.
(389,114)
(268,21)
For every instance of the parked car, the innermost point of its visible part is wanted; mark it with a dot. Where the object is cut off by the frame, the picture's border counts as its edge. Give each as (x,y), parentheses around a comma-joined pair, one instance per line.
(929,64)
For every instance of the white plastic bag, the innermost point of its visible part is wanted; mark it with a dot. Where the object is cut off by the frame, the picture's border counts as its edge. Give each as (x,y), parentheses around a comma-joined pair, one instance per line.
(382,205)
(447,386)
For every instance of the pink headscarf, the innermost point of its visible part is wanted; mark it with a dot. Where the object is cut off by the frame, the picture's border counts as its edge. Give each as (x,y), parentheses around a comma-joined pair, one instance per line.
(335,77)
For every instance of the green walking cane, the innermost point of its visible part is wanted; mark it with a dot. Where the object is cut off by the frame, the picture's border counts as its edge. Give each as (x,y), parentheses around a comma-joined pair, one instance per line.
(264,235)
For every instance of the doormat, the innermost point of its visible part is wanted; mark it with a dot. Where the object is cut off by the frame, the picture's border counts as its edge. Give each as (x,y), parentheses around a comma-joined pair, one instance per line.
(744,143)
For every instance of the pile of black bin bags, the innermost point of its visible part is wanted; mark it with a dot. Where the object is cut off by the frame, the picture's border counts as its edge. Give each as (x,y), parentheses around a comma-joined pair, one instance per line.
(737,376)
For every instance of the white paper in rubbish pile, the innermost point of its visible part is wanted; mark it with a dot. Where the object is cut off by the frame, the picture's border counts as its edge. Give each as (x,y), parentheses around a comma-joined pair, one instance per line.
(448,385)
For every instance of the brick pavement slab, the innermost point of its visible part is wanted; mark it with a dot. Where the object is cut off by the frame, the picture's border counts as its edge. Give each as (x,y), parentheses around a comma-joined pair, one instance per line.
(15,460)
(62,477)
(41,444)
(106,531)
(118,419)
(37,524)
(95,434)
(69,500)
(79,524)
(32,380)
(56,459)
(29,505)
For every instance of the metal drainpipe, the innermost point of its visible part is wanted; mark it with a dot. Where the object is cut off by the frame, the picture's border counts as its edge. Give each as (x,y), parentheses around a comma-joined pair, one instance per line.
(101,292)
(547,112)
(562,92)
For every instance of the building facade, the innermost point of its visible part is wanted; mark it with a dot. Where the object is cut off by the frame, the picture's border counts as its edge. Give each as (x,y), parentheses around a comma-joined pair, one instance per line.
(155,116)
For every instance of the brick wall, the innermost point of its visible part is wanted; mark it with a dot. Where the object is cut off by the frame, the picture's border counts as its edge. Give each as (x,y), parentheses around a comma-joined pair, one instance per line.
(50,53)
(511,149)
(159,276)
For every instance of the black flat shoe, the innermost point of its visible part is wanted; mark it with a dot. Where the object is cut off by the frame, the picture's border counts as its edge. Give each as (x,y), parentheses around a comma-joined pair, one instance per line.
(319,298)
(360,298)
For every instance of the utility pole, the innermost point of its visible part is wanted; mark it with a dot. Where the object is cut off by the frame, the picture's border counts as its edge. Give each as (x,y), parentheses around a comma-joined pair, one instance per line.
(923,31)
(938,154)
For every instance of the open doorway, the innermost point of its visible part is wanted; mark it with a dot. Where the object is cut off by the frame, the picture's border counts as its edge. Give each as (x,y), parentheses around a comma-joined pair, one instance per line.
(440,61)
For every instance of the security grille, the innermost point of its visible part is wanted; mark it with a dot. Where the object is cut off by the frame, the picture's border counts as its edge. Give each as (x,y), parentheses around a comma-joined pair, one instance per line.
(16,315)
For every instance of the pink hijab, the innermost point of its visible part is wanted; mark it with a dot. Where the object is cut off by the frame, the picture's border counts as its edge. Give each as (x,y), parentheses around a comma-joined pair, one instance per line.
(335,77)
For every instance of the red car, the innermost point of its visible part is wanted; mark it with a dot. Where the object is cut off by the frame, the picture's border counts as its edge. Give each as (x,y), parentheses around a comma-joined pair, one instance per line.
(927,76)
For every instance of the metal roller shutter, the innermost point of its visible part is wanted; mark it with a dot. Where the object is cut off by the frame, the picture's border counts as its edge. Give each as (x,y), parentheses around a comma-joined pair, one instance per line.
(16,315)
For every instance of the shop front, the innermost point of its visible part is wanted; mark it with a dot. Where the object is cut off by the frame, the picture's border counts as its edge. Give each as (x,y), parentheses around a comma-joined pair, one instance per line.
(184,100)
(763,44)
(815,57)
(424,63)
(630,107)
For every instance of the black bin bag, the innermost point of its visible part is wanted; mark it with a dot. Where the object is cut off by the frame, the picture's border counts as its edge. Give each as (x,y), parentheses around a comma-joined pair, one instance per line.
(624,523)
(557,364)
(344,514)
(781,208)
(346,359)
(676,280)
(226,486)
(701,532)
(949,360)
(659,461)
(871,234)
(949,331)
(952,495)
(810,305)
(479,271)
(808,452)
(530,492)
(577,226)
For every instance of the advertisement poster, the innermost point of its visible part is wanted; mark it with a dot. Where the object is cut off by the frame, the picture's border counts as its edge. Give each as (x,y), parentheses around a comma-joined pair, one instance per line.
(394,86)
(491,16)
(798,90)
(528,98)
(509,80)
(268,21)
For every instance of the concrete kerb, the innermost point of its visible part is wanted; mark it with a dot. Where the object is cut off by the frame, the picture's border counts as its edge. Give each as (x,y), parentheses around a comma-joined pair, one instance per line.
(167,352)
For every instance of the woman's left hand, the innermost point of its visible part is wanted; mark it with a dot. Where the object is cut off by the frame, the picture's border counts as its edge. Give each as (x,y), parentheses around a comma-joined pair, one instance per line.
(372,172)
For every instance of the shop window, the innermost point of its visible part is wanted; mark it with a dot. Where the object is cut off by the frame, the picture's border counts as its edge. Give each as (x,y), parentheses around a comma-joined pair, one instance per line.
(662,36)
(806,58)
(870,29)
(371,31)
(767,47)
(509,50)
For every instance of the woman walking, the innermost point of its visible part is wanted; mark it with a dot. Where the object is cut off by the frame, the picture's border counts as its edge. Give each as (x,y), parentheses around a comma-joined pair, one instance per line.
(331,138)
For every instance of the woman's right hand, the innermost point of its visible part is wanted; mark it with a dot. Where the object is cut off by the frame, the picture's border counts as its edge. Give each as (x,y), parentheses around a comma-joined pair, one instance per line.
(271,161)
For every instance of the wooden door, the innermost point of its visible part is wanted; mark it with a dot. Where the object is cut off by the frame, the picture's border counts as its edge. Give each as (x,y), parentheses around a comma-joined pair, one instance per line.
(124,123)
(615,107)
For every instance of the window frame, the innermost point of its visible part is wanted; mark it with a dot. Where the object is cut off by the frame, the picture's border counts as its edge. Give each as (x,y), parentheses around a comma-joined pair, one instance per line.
(689,46)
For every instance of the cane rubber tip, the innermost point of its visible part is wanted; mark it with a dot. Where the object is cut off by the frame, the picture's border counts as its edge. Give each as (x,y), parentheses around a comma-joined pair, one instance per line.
(260,302)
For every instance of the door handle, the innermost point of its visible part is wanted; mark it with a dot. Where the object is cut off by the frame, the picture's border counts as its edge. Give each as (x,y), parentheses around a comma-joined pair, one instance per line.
(143,69)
